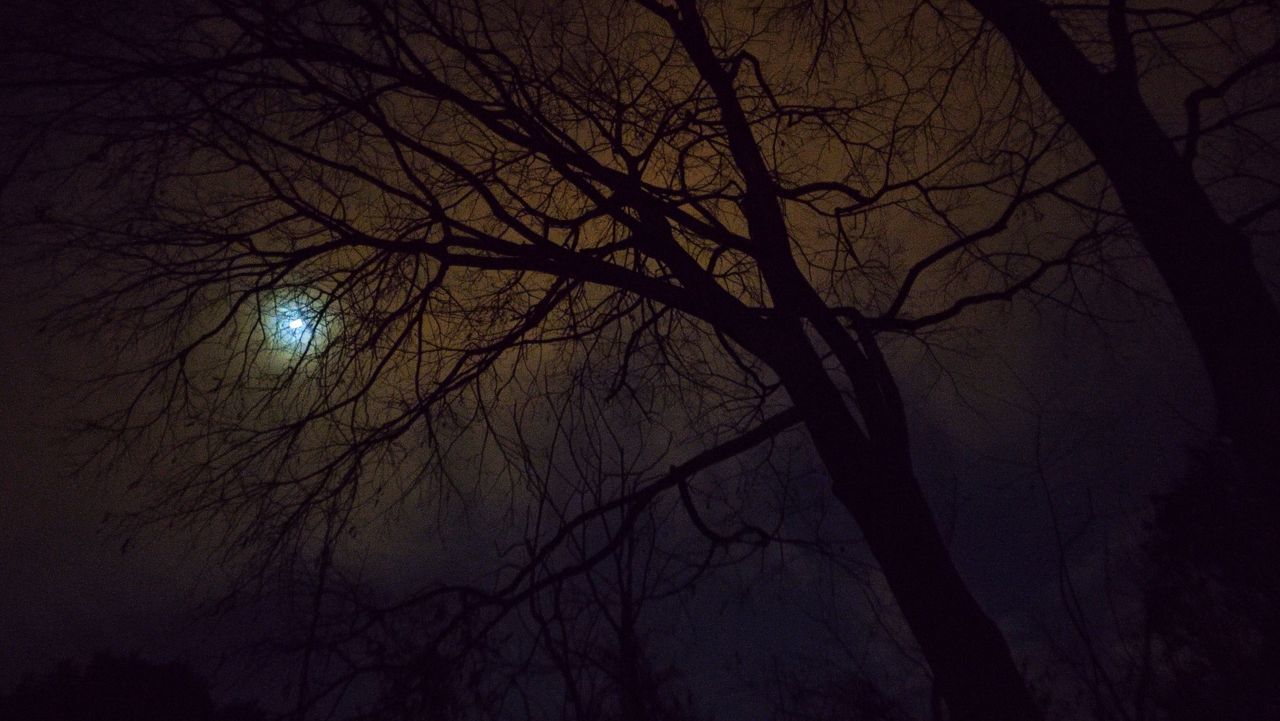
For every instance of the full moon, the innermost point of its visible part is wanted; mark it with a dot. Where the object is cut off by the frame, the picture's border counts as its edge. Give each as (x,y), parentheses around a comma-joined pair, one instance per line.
(294,327)
(296,323)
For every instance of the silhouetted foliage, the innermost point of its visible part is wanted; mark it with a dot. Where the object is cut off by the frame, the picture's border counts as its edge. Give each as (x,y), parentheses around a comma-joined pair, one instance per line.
(114,688)
(1212,597)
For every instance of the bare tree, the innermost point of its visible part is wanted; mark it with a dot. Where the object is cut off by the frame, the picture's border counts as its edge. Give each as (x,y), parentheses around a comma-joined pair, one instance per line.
(1100,64)
(591,628)
(1179,106)
(337,239)
(1167,99)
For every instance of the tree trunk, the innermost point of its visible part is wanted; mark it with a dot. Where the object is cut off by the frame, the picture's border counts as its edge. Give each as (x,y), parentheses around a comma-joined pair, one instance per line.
(970,660)
(1205,262)
(870,470)
(631,688)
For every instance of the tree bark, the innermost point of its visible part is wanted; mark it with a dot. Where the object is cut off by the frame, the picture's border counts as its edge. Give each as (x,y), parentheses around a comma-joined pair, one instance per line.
(972,665)
(870,469)
(1205,262)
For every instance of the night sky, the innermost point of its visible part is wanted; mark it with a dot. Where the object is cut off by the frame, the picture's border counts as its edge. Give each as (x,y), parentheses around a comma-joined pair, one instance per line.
(73,591)
(1039,433)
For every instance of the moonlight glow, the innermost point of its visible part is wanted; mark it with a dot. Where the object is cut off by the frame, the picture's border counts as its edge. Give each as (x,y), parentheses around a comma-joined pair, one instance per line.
(296,322)
(294,327)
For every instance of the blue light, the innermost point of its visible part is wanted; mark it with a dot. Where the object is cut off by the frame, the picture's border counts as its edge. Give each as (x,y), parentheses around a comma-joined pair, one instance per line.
(294,328)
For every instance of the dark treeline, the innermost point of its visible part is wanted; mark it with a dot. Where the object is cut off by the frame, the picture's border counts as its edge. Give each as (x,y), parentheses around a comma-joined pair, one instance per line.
(120,688)
(618,306)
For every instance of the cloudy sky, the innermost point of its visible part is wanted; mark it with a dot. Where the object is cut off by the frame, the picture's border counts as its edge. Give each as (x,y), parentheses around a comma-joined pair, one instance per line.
(1048,428)
(1114,408)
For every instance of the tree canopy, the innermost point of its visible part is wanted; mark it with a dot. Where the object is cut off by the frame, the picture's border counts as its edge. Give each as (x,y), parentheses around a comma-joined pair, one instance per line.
(595,264)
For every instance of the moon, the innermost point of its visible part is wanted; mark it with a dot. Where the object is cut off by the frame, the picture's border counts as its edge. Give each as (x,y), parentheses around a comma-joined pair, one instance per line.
(296,323)
(294,327)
